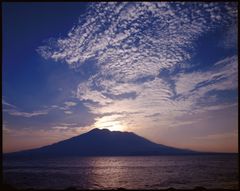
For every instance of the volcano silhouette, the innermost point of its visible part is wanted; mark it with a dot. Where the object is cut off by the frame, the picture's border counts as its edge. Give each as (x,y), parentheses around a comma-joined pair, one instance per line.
(102,142)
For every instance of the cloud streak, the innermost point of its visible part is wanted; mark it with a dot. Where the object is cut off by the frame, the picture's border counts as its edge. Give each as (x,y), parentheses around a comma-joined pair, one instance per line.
(14,112)
(8,104)
(131,43)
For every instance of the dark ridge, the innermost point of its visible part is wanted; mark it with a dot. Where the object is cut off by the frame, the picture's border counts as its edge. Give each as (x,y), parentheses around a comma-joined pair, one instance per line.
(103,142)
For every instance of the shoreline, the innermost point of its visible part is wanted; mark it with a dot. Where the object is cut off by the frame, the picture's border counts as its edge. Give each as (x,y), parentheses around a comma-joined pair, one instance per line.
(7,187)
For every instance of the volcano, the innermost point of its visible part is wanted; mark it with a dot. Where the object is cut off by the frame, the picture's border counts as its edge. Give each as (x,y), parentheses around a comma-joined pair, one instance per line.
(103,142)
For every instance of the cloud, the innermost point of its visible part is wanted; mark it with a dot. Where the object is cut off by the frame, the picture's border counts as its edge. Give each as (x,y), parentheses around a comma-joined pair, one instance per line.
(8,104)
(70,103)
(233,135)
(70,127)
(159,97)
(230,39)
(130,44)
(69,124)
(221,76)
(60,127)
(25,114)
(5,129)
(134,35)
(53,106)
(68,112)
(66,107)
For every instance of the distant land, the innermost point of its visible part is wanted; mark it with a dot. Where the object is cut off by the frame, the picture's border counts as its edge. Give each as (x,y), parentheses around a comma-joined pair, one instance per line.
(102,142)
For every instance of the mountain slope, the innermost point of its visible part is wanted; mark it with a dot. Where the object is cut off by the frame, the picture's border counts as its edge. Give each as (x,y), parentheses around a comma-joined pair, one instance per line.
(102,143)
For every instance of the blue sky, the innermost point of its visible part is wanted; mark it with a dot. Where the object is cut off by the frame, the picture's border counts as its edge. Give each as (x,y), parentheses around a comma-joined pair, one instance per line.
(167,71)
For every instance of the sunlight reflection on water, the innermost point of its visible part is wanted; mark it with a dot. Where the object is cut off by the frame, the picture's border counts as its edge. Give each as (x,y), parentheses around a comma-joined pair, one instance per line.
(125,172)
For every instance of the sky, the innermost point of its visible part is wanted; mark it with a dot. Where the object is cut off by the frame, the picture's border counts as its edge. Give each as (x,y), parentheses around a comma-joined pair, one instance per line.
(166,71)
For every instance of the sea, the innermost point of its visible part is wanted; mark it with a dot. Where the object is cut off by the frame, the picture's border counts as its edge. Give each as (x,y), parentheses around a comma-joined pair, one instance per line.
(148,172)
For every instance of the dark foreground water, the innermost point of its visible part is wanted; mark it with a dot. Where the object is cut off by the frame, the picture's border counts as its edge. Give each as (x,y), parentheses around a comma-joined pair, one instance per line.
(209,171)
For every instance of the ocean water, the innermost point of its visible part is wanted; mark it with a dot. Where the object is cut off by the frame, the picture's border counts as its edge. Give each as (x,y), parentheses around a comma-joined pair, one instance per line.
(154,172)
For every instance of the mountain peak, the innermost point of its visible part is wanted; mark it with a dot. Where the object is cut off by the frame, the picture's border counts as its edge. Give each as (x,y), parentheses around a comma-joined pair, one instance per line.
(106,131)
(102,142)
(99,130)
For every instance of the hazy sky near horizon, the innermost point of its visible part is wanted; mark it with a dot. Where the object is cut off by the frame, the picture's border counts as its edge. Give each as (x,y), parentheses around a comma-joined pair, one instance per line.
(166,71)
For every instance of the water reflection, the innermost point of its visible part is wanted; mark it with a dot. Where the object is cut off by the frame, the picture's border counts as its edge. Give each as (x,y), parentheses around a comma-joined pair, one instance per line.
(124,172)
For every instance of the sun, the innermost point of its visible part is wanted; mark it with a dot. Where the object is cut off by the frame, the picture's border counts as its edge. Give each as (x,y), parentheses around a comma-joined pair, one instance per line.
(116,127)
(112,125)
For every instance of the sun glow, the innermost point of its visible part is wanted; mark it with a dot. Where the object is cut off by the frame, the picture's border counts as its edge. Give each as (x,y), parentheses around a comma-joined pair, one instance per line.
(108,122)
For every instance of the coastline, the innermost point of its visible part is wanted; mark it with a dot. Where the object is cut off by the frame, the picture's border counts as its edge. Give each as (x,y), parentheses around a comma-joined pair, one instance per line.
(7,187)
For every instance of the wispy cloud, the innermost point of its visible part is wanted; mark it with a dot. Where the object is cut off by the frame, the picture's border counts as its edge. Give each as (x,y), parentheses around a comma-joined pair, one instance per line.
(131,43)
(134,35)
(66,107)
(222,76)
(60,127)
(68,112)
(5,128)
(70,103)
(228,135)
(15,112)
(8,104)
